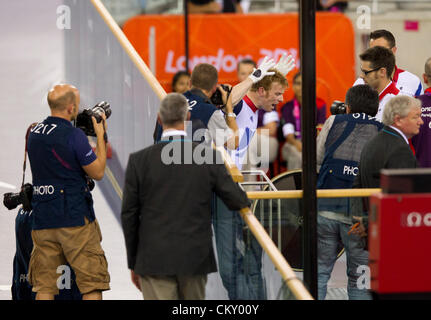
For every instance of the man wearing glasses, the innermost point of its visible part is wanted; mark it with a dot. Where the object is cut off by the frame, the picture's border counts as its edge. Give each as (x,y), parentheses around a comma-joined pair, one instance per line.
(377,65)
(405,81)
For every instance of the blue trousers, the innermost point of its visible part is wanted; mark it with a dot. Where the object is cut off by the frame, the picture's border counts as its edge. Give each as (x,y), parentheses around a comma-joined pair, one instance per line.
(329,233)
(239,255)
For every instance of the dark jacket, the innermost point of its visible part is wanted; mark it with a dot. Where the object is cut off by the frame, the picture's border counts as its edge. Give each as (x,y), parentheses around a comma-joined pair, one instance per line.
(202,113)
(166,211)
(422,141)
(387,150)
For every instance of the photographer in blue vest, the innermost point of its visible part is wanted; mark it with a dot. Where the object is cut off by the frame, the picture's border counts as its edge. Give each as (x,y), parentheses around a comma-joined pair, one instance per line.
(339,147)
(65,229)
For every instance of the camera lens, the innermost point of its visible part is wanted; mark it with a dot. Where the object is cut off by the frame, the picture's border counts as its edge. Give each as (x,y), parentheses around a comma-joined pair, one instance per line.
(84,121)
(102,108)
(11,200)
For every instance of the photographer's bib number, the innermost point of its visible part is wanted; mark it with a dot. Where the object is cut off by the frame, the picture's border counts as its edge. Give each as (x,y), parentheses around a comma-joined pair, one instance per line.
(42,128)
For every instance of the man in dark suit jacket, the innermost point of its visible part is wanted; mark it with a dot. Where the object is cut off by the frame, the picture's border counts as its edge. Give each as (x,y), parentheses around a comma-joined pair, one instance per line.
(166,209)
(390,149)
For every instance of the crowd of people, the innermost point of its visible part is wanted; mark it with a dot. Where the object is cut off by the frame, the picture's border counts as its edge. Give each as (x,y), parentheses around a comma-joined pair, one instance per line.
(381,114)
(178,190)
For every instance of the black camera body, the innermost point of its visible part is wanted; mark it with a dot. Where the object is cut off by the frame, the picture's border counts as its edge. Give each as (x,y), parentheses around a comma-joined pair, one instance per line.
(12,200)
(338,107)
(217,98)
(84,122)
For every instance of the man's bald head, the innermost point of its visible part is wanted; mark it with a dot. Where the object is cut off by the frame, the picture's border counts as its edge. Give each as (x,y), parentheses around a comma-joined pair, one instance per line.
(61,96)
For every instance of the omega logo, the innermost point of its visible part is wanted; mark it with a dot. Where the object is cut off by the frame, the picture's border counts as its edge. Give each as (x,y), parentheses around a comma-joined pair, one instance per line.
(416,219)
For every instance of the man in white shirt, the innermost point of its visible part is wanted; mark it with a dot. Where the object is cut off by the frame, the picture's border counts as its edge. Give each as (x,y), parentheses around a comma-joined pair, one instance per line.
(377,64)
(265,138)
(406,82)
(263,93)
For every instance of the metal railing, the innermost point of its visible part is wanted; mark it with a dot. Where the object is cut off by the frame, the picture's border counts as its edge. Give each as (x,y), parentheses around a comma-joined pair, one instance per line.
(321,193)
(281,215)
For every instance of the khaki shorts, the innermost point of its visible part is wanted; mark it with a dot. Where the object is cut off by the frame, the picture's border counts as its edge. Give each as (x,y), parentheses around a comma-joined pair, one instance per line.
(78,246)
(174,287)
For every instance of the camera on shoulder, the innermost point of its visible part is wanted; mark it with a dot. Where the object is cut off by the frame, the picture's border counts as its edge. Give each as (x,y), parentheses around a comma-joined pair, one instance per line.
(338,107)
(217,98)
(84,122)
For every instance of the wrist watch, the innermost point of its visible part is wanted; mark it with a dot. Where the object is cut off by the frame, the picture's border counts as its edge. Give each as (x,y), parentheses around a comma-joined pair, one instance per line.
(257,73)
(231,114)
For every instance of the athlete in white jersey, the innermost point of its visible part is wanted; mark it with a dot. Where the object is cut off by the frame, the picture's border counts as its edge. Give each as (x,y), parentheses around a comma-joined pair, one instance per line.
(246,111)
(246,115)
(264,91)
(387,94)
(406,82)
(263,94)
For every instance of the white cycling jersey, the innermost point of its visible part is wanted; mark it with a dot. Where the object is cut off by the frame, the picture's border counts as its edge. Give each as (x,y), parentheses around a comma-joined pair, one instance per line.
(408,83)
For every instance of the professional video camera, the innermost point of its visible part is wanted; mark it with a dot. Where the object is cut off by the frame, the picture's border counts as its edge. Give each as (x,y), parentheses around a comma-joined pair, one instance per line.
(217,98)
(338,107)
(84,122)
(12,200)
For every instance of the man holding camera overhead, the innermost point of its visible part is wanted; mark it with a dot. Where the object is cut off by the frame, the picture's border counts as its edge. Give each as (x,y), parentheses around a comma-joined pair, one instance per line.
(203,113)
(207,122)
(65,228)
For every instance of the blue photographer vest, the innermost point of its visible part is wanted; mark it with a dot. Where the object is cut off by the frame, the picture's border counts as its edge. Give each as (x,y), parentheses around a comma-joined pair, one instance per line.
(61,197)
(344,143)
